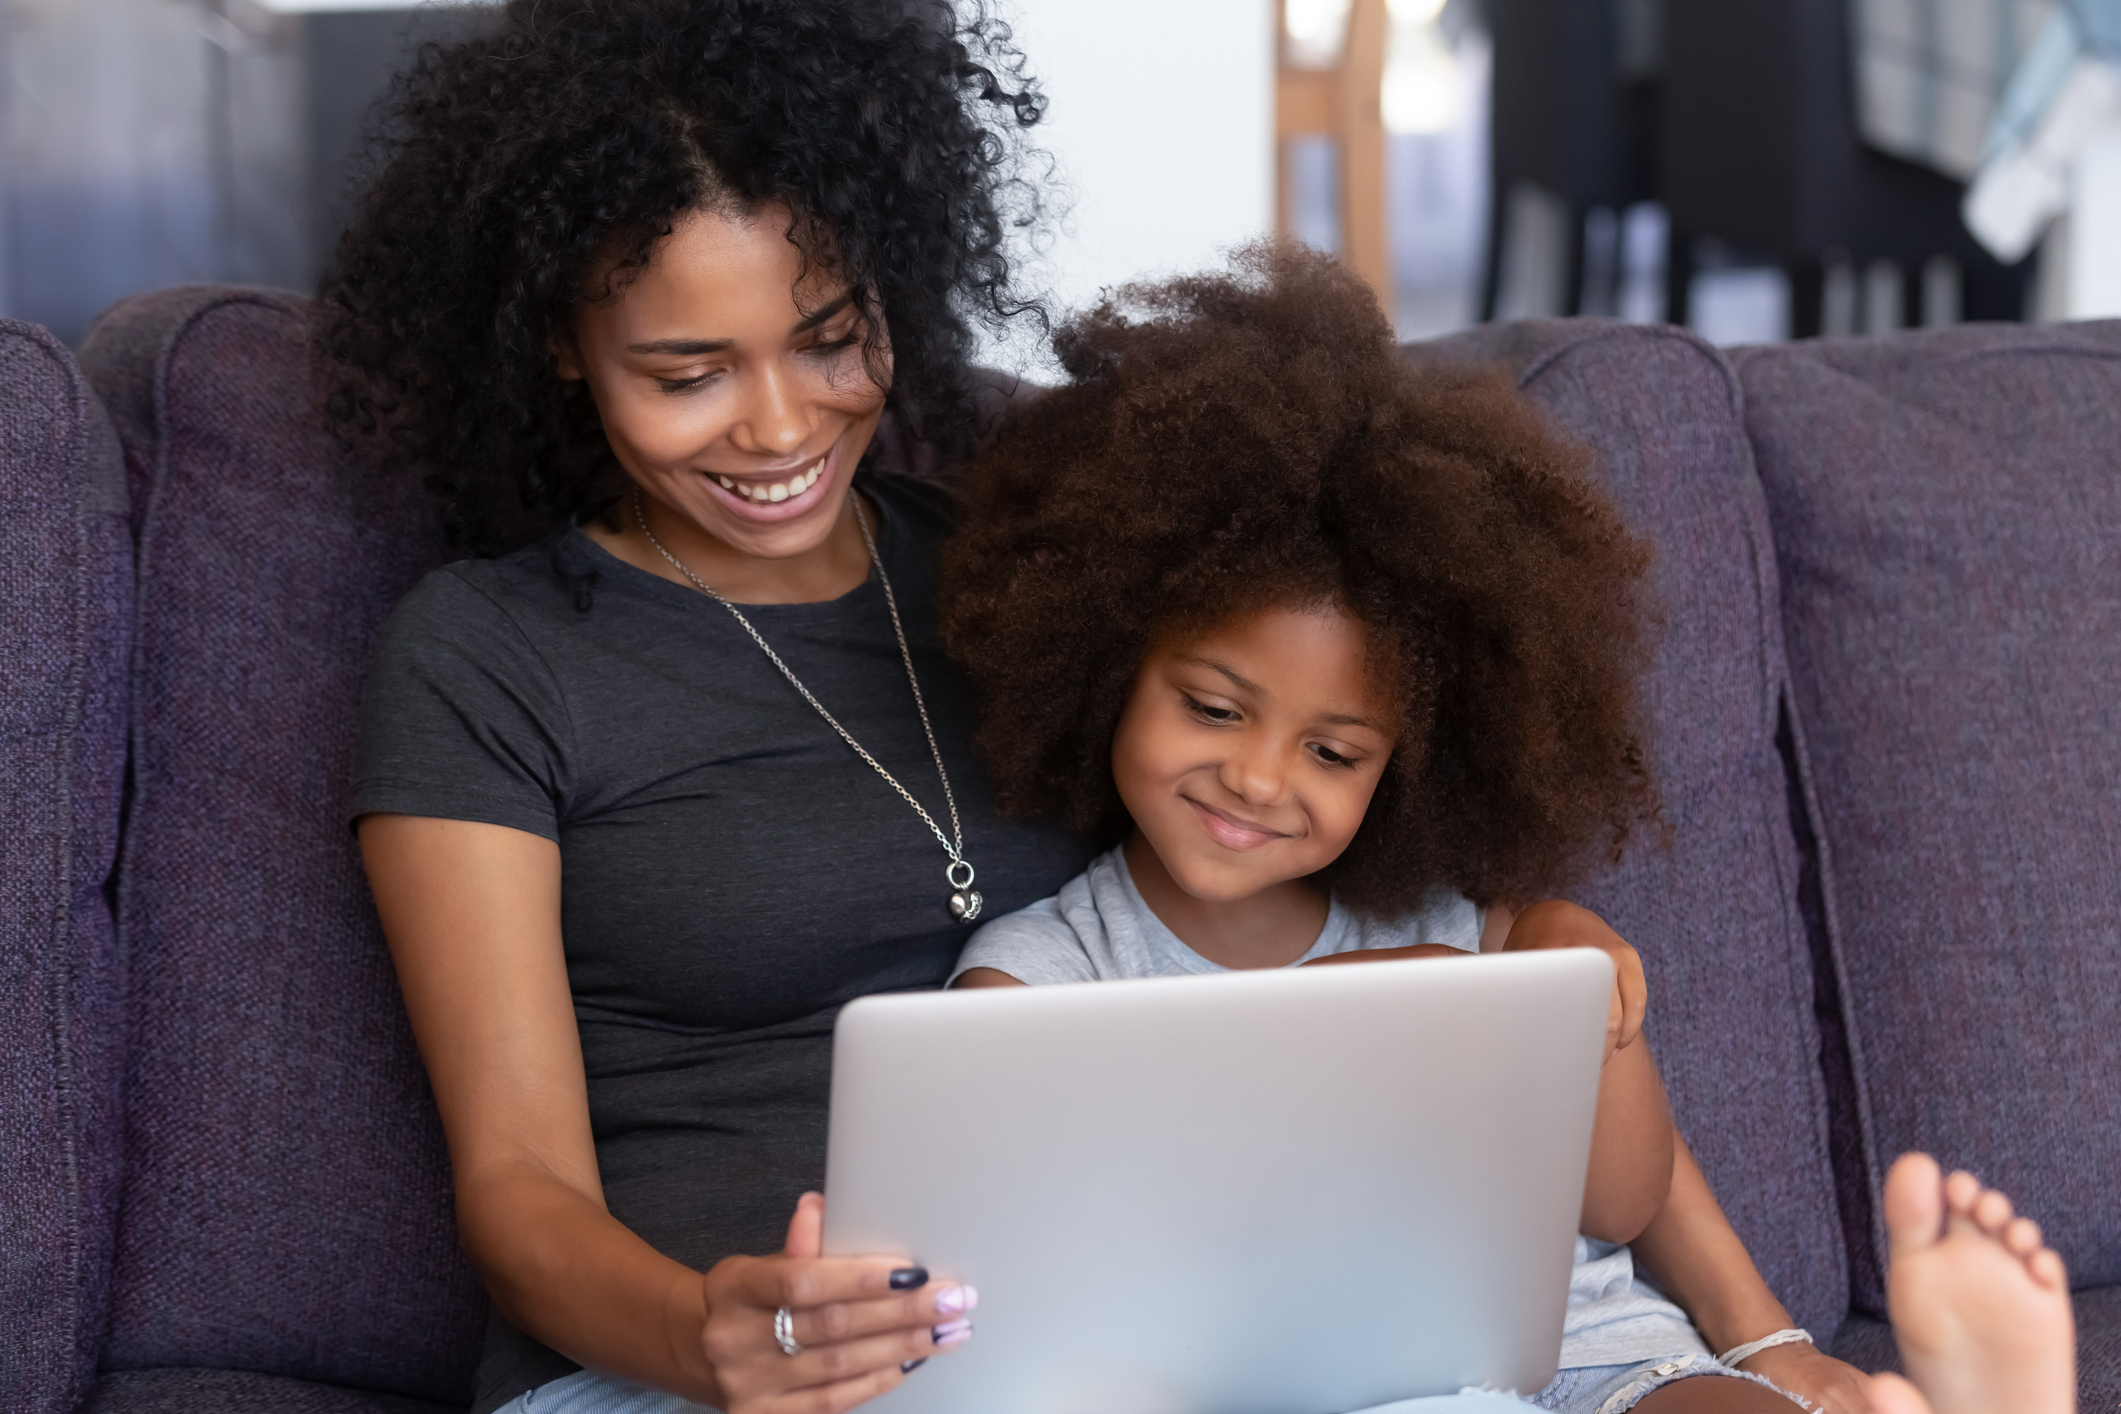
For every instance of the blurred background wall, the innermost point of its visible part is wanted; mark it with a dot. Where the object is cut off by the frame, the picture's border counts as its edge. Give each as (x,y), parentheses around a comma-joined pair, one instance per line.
(1764,169)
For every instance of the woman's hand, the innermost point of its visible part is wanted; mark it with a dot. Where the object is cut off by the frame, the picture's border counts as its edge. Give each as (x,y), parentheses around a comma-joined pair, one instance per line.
(1802,1369)
(864,1324)
(1557,924)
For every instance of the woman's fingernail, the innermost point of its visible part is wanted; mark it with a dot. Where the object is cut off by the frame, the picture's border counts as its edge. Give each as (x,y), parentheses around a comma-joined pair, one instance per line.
(907,1367)
(956,1300)
(907,1278)
(951,1332)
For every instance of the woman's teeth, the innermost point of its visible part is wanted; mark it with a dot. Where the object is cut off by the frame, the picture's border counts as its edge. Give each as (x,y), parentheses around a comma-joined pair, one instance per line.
(779,490)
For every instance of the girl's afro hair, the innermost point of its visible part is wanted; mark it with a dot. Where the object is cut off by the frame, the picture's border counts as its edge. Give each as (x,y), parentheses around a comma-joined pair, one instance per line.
(1237,441)
(535,165)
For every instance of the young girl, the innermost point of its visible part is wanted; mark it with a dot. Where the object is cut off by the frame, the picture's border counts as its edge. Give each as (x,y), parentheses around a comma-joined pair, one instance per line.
(1339,659)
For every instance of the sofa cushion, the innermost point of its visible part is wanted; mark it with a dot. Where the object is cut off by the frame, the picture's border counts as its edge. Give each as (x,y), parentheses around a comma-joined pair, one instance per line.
(285,1206)
(1947,518)
(1716,916)
(65,617)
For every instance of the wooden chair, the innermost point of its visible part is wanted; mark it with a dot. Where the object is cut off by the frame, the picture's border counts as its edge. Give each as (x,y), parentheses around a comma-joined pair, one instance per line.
(1341,102)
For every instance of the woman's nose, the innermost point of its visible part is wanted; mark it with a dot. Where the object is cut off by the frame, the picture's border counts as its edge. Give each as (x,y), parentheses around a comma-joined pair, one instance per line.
(775,419)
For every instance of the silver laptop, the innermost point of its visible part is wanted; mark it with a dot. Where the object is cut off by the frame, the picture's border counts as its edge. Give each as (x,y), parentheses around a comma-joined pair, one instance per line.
(1290,1192)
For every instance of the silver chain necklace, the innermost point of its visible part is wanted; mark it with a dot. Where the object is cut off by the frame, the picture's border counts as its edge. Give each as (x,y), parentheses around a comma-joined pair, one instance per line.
(964,899)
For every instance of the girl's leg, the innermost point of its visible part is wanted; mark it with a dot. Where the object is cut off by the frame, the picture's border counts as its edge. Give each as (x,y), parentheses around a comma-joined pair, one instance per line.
(1980,1306)
(1709,1394)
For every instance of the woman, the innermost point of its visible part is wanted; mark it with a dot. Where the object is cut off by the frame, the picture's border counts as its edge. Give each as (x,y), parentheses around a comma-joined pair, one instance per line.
(657,268)
(652,271)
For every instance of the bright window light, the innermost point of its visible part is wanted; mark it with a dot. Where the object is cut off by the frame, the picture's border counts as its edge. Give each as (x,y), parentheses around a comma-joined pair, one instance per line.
(1316,30)
(312,7)
(1422,89)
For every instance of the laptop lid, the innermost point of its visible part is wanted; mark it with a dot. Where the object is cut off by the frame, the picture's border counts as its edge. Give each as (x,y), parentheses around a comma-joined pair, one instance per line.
(1299,1191)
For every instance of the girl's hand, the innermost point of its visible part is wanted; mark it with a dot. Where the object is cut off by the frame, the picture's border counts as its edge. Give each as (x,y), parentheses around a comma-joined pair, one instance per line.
(1557,924)
(1333,959)
(864,1324)
(1827,1384)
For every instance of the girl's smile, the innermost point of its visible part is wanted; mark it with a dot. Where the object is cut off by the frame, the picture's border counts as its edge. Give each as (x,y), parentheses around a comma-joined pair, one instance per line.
(1229,830)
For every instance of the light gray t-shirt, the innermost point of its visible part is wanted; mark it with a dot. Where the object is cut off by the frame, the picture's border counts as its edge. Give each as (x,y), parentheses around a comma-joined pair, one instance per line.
(1098,929)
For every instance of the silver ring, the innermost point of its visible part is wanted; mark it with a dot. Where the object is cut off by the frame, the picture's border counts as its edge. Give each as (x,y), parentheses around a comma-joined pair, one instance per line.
(784,1332)
(951,874)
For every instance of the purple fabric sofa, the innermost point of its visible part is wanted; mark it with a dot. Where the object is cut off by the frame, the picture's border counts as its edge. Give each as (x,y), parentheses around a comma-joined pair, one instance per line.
(1888,722)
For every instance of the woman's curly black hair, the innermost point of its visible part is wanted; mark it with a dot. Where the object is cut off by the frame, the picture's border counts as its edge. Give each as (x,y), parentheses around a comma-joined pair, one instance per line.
(1231,442)
(556,146)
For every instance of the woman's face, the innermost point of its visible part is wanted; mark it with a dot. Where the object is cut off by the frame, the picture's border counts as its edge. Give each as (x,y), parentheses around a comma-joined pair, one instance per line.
(737,399)
(1247,755)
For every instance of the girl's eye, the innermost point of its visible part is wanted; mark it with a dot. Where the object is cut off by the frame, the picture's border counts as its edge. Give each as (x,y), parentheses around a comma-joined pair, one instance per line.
(1331,757)
(1219,715)
(682,385)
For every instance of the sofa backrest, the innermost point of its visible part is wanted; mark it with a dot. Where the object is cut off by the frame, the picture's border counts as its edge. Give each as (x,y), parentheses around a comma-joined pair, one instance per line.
(285,1203)
(65,616)
(1947,518)
(1716,916)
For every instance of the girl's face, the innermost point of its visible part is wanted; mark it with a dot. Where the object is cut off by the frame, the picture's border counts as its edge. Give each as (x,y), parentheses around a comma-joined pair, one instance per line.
(735,398)
(1247,755)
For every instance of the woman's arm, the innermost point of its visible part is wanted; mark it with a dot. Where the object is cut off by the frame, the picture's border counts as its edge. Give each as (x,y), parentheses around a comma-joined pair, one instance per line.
(1699,1261)
(472,914)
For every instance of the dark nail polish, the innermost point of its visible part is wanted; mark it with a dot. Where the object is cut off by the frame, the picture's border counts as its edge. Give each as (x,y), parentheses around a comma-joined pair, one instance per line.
(908,1367)
(907,1278)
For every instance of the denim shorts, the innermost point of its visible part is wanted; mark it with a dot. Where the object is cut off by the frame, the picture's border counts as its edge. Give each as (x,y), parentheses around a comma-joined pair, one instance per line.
(1612,1389)
(1596,1389)
(586,1392)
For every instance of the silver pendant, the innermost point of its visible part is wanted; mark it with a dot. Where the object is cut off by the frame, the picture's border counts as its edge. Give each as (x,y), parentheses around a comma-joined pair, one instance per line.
(964,899)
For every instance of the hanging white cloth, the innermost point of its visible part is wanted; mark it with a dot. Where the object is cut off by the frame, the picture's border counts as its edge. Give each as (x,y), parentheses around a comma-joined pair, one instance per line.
(2064,99)
(1929,73)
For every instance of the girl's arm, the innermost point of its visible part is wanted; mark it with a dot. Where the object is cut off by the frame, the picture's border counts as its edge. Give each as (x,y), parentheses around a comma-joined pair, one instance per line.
(472,914)
(1631,1140)
(984,977)
(1699,1261)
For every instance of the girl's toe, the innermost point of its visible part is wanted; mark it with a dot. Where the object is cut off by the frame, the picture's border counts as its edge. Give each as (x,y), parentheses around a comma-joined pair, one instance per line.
(1992,1212)
(1961,1191)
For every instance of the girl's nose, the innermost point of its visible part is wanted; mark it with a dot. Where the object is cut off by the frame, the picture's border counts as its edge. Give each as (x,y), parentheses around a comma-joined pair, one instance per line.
(1255,774)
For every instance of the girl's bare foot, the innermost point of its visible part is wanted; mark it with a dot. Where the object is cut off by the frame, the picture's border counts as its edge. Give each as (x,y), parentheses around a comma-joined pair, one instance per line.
(1981,1309)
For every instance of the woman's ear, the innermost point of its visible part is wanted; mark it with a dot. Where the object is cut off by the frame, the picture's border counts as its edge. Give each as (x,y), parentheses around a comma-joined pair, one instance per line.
(566,359)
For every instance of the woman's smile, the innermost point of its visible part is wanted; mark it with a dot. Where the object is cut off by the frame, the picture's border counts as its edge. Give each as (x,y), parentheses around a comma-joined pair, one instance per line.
(770,497)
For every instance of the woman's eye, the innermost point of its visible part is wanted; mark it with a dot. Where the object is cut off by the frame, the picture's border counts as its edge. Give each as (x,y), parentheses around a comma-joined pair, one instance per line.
(682,385)
(1218,715)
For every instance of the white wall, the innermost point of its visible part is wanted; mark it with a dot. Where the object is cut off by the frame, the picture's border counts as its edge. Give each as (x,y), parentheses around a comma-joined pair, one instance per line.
(1162,120)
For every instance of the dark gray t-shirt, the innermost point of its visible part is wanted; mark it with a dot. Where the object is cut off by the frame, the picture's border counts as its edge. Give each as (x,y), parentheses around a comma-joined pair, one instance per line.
(731,872)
